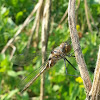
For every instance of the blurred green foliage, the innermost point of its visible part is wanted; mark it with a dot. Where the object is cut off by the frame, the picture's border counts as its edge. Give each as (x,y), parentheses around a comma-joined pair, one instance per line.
(58,85)
(19,9)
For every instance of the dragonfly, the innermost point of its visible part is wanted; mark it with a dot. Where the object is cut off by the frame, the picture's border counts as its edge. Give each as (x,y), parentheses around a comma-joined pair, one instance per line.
(58,53)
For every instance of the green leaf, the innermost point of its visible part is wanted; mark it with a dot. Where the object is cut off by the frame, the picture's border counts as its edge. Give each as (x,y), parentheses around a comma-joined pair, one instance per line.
(56,87)
(19,16)
(12,93)
(21,72)
(12,73)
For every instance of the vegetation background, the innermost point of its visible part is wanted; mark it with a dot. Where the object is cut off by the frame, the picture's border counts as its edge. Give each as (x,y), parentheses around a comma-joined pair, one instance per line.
(58,85)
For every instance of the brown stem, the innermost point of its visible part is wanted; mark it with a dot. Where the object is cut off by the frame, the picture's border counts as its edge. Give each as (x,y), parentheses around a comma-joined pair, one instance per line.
(13,51)
(44,39)
(39,15)
(78,5)
(36,23)
(75,41)
(87,18)
(32,33)
(95,90)
(92,19)
(64,16)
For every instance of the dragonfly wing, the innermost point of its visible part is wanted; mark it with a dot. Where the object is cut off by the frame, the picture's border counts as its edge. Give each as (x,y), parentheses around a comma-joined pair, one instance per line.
(26,59)
(31,77)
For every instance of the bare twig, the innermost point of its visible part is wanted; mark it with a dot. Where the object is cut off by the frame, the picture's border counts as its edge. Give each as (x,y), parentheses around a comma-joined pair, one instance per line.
(92,20)
(64,16)
(21,28)
(95,90)
(87,18)
(13,51)
(75,41)
(32,33)
(39,15)
(36,23)
(37,29)
(78,5)
(44,39)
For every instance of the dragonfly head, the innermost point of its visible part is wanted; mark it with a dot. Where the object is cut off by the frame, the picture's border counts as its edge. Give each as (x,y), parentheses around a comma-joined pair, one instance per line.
(66,47)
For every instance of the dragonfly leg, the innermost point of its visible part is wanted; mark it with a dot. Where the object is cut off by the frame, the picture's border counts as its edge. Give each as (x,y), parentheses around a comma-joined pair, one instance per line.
(65,65)
(66,69)
(70,63)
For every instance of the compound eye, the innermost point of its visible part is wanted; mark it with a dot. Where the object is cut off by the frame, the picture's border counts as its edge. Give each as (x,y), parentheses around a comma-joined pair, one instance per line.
(49,59)
(52,51)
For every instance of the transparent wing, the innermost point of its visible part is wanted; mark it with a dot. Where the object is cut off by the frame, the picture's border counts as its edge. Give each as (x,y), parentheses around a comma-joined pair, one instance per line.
(26,59)
(31,77)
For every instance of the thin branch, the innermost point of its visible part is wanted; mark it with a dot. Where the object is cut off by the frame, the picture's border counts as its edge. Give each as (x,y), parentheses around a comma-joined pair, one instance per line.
(37,29)
(32,33)
(66,20)
(87,18)
(21,28)
(64,16)
(95,90)
(75,41)
(36,22)
(92,19)
(78,5)
(98,89)
(44,39)
(13,51)
(39,15)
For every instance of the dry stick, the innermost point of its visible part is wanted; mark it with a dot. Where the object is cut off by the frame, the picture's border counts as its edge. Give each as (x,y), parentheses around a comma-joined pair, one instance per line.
(13,51)
(32,33)
(35,24)
(98,91)
(37,29)
(78,5)
(66,20)
(95,90)
(75,41)
(87,18)
(93,20)
(44,39)
(64,16)
(77,9)
(21,28)
(39,16)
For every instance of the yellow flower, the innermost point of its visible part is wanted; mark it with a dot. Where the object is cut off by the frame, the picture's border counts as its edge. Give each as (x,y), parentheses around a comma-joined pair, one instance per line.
(81,86)
(77,27)
(79,80)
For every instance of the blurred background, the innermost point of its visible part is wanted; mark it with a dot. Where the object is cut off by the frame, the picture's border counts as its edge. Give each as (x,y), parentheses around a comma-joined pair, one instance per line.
(58,85)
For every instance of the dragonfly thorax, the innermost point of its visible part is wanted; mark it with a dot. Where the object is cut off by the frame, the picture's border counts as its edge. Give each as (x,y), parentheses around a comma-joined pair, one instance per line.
(58,53)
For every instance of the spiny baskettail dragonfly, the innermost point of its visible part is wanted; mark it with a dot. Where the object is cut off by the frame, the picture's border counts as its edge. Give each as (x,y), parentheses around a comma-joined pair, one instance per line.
(58,53)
